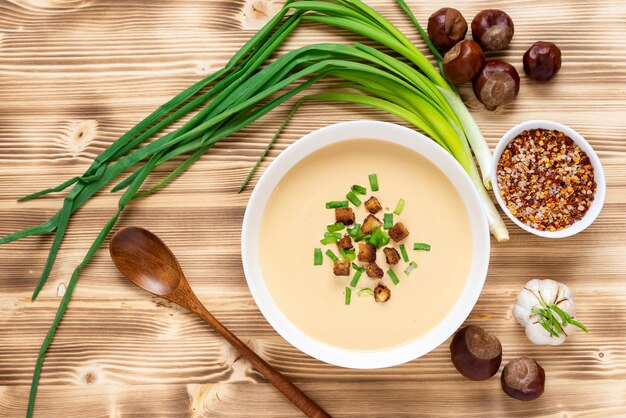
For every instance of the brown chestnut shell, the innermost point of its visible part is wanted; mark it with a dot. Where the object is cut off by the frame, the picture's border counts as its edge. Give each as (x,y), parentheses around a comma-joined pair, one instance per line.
(542,61)
(475,353)
(523,378)
(493,29)
(446,27)
(497,84)
(463,61)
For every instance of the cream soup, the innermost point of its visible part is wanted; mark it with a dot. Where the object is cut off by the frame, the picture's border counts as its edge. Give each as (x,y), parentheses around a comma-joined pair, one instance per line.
(312,298)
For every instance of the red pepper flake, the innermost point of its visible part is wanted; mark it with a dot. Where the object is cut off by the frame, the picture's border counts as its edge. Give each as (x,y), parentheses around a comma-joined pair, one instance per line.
(545,179)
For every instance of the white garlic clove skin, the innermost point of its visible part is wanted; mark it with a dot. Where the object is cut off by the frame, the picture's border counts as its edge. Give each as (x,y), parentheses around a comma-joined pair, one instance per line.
(538,335)
(524,303)
(549,290)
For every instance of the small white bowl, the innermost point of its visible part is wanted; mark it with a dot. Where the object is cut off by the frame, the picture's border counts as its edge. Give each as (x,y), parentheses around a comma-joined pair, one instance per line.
(415,142)
(598,201)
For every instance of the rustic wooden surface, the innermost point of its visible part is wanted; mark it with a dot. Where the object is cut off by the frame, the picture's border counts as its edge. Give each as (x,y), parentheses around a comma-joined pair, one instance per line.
(75,75)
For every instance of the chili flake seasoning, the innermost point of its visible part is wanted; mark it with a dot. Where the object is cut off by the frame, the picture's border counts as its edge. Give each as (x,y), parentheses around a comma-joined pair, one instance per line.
(545,179)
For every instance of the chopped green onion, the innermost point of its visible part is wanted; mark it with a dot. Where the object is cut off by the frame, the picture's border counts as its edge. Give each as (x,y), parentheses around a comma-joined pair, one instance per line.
(348,295)
(393,276)
(412,266)
(388,221)
(317,257)
(359,189)
(355,279)
(337,204)
(352,198)
(332,255)
(349,255)
(366,291)
(328,240)
(373,182)
(335,227)
(399,207)
(405,256)
(355,232)
(357,267)
(421,246)
(336,235)
(378,238)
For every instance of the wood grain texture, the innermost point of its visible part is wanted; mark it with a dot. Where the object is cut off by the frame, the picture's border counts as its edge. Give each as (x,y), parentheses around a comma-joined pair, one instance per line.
(75,75)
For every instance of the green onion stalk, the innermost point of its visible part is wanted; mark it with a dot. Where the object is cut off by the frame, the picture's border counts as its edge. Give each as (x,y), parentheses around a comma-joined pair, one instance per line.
(248,87)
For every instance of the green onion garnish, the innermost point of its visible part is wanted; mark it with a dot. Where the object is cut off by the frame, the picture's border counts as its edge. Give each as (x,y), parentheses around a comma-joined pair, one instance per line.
(420,246)
(335,227)
(378,238)
(334,204)
(349,255)
(328,240)
(355,279)
(332,255)
(352,198)
(335,235)
(412,266)
(366,291)
(405,256)
(359,189)
(399,207)
(373,182)
(393,276)
(317,257)
(348,295)
(355,232)
(358,268)
(388,221)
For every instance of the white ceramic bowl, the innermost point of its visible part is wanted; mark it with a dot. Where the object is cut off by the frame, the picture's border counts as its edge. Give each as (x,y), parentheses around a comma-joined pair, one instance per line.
(598,201)
(394,134)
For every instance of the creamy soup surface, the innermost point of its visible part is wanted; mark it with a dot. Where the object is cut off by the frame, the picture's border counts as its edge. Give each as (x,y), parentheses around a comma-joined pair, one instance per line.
(295,220)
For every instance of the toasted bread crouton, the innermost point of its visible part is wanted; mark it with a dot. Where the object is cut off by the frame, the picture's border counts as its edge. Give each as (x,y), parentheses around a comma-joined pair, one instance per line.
(391,255)
(369,224)
(374,272)
(344,215)
(367,252)
(398,232)
(381,293)
(373,206)
(345,242)
(341,268)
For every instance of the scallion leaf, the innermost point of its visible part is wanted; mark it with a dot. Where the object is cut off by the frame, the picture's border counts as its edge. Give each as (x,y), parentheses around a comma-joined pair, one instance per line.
(328,240)
(355,232)
(412,266)
(334,204)
(388,221)
(352,198)
(335,227)
(349,255)
(357,267)
(335,235)
(393,276)
(399,207)
(332,255)
(359,189)
(405,256)
(317,257)
(378,238)
(373,182)
(348,295)
(366,291)
(420,246)
(356,277)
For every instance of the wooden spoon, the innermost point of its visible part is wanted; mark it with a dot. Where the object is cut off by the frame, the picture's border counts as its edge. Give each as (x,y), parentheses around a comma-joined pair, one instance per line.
(146,261)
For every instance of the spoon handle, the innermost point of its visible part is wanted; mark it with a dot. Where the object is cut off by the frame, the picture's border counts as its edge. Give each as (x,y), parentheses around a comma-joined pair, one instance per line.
(280,382)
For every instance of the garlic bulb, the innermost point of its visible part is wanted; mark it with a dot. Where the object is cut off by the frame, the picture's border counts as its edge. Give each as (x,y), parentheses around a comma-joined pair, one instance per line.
(546,310)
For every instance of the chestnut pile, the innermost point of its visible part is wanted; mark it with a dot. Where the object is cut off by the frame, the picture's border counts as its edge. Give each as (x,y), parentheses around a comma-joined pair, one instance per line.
(495,83)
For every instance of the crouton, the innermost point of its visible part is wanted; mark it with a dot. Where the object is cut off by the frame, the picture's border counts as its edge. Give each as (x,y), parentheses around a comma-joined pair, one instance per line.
(369,224)
(373,206)
(391,255)
(374,272)
(345,242)
(381,293)
(341,268)
(398,232)
(367,252)
(344,215)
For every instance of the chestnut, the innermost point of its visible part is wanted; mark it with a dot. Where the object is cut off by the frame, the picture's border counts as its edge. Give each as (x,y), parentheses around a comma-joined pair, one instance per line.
(492,29)
(542,61)
(497,84)
(523,379)
(475,353)
(446,27)
(463,62)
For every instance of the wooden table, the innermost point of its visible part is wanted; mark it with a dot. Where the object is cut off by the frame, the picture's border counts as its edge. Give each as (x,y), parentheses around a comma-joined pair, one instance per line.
(75,75)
